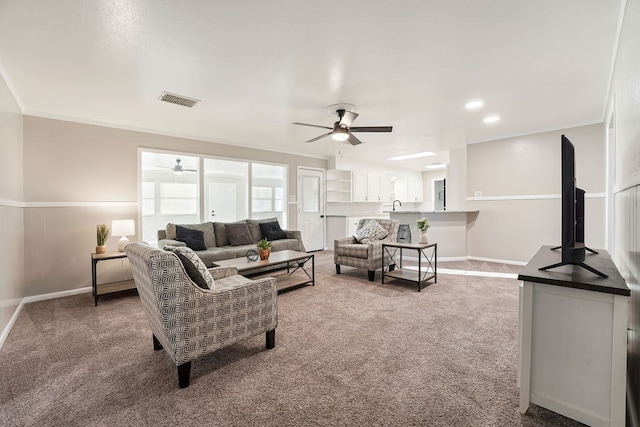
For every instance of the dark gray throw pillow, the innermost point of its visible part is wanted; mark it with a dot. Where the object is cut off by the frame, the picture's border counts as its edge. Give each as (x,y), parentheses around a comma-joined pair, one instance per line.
(272,231)
(239,233)
(194,239)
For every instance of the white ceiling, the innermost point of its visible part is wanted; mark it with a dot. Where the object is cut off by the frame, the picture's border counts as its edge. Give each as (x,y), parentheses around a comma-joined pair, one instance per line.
(258,66)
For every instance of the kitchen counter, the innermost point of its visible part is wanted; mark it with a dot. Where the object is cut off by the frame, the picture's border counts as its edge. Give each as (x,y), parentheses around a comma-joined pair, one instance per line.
(447,228)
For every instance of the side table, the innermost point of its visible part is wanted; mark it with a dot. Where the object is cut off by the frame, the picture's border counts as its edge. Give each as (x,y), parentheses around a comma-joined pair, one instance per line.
(428,252)
(111,287)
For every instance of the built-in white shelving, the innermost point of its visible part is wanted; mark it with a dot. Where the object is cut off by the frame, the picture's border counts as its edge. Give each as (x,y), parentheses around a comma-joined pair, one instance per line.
(338,185)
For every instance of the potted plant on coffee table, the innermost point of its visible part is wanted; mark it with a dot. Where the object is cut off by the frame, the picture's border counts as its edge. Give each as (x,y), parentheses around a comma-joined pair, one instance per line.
(264,248)
(102,234)
(423,226)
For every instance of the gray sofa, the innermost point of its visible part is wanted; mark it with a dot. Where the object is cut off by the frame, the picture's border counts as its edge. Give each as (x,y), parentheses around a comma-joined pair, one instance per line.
(217,241)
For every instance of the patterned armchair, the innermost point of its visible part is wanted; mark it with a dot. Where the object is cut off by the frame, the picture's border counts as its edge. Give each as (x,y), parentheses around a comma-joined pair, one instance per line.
(188,321)
(367,256)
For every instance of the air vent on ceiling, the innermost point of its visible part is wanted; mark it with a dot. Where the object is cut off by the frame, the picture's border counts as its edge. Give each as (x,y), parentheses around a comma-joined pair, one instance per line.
(178,99)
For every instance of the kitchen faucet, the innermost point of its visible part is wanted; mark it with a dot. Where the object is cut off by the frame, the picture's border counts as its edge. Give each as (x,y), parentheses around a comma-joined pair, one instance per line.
(394,204)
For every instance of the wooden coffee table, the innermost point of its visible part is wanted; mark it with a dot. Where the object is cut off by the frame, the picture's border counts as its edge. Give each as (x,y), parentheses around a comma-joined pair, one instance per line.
(287,267)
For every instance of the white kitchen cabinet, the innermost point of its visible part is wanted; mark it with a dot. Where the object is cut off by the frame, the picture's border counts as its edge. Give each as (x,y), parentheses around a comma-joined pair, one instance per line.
(373,188)
(414,190)
(401,190)
(360,187)
(386,189)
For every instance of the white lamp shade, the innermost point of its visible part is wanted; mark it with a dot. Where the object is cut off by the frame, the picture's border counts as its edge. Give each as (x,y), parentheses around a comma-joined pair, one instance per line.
(124,228)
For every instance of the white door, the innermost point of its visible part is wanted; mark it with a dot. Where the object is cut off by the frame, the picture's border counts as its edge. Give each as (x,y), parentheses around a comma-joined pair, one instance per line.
(222,202)
(311,208)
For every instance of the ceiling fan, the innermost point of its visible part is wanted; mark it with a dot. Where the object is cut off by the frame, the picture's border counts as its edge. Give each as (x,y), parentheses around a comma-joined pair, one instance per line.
(178,169)
(342,129)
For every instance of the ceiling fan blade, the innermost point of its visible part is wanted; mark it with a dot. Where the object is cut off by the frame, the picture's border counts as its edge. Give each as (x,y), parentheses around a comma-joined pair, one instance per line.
(348,118)
(371,129)
(353,140)
(314,126)
(190,170)
(319,137)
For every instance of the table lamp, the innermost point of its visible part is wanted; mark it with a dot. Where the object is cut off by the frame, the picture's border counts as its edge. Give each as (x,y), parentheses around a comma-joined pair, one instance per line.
(123,228)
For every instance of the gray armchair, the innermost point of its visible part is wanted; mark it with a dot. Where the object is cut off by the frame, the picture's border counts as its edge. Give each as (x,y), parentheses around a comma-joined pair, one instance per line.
(367,256)
(188,321)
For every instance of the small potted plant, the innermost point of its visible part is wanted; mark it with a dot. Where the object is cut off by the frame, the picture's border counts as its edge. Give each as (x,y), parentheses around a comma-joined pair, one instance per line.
(423,226)
(264,248)
(102,234)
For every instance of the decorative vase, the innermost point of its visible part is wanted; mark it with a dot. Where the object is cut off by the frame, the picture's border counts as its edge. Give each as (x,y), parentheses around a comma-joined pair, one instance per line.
(264,253)
(101,249)
(423,237)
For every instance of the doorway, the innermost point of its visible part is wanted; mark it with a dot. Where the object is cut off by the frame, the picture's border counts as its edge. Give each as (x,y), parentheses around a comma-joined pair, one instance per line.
(440,194)
(222,199)
(311,208)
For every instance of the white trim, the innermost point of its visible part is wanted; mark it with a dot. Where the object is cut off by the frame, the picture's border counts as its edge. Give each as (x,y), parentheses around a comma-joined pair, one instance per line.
(13,92)
(499,261)
(529,197)
(80,204)
(34,298)
(11,203)
(12,321)
(76,204)
(632,181)
(54,295)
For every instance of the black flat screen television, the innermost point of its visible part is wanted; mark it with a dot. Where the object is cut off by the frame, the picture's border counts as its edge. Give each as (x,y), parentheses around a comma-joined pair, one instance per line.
(572,247)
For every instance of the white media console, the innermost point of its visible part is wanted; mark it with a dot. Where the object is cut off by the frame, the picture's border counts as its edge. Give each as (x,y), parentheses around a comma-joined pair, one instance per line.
(573,339)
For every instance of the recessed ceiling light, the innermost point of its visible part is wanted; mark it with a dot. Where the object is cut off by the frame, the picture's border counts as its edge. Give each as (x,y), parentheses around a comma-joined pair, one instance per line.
(491,119)
(413,156)
(435,166)
(472,105)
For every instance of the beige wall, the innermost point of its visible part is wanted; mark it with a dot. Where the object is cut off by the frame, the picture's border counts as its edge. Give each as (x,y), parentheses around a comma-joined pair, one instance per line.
(11,211)
(70,167)
(517,177)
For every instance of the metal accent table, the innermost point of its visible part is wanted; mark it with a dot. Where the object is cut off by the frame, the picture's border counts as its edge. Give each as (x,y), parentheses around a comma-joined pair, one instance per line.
(393,252)
(111,287)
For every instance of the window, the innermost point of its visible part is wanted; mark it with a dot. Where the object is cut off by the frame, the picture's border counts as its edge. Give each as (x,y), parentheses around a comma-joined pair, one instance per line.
(207,189)
(178,199)
(262,199)
(148,198)
(268,191)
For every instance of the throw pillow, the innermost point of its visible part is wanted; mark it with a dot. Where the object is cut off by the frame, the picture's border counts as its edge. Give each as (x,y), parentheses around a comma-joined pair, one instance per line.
(193,238)
(193,265)
(272,231)
(370,232)
(239,233)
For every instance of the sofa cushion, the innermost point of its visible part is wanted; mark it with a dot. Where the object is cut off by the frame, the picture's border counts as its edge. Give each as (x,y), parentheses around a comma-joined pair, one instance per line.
(370,232)
(194,266)
(194,239)
(254,227)
(354,250)
(239,233)
(205,227)
(272,231)
(222,236)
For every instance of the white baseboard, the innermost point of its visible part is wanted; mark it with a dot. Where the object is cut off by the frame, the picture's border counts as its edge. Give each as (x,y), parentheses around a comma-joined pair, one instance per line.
(12,321)
(55,295)
(34,298)
(499,261)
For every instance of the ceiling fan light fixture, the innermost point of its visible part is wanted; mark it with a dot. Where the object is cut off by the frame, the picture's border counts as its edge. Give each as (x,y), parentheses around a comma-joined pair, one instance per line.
(340,134)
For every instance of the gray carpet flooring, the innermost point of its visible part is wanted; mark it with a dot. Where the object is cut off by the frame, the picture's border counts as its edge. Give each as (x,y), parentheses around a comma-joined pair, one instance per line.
(348,352)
